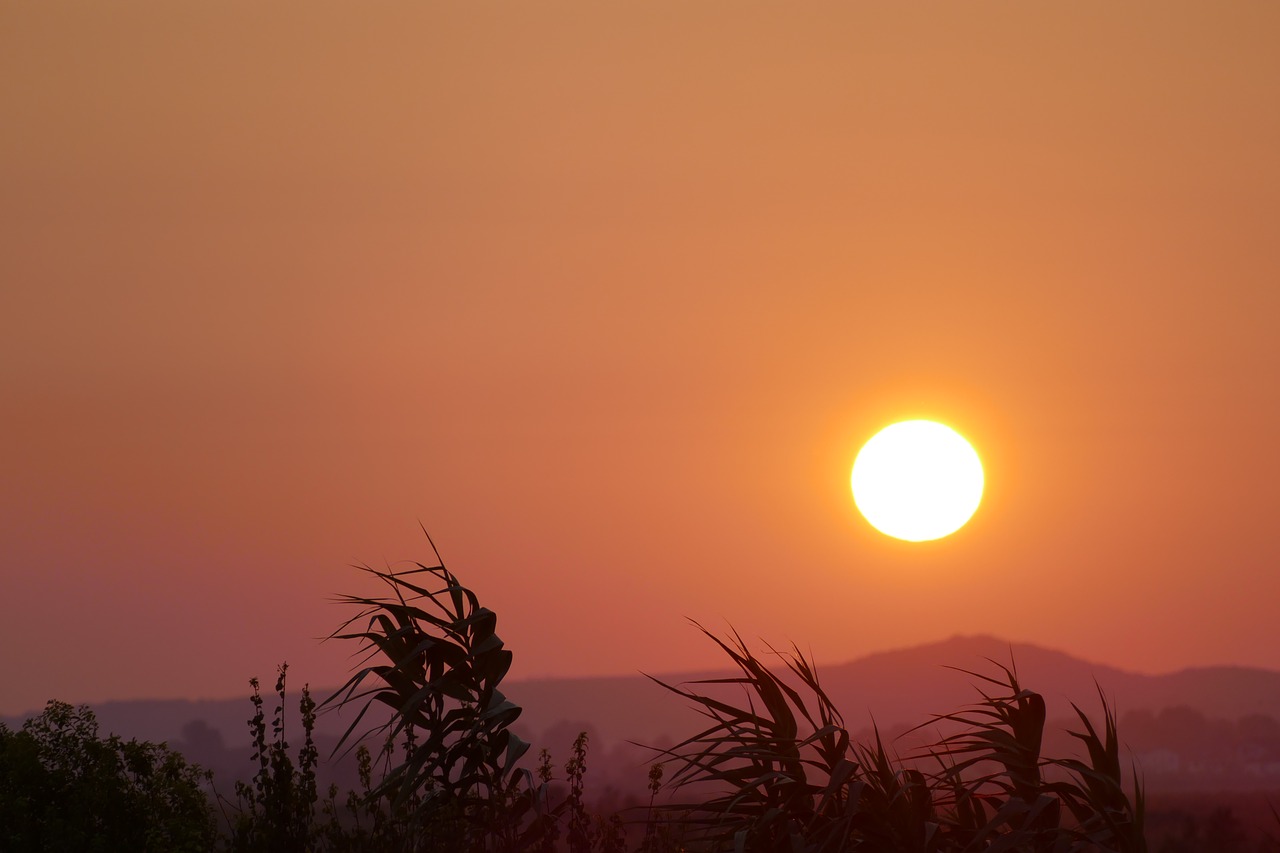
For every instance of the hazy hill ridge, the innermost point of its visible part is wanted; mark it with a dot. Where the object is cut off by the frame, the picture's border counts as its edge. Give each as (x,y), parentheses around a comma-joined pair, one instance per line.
(904,686)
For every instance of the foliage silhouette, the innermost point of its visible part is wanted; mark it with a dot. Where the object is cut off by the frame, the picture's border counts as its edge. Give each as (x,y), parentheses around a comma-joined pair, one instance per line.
(774,769)
(62,787)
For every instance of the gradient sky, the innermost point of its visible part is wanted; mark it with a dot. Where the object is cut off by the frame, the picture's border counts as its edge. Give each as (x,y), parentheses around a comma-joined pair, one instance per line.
(607,296)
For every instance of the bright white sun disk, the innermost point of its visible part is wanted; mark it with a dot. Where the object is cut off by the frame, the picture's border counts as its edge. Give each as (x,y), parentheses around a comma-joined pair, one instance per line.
(917,480)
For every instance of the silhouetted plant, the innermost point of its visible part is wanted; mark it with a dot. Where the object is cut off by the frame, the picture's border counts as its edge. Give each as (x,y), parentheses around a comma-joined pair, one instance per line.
(1014,799)
(440,679)
(780,773)
(62,787)
(276,811)
(547,828)
(579,821)
(752,766)
(657,833)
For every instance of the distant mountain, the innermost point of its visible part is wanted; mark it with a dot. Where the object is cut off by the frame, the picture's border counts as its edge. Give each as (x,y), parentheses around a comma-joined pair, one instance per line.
(908,686)
(899,687)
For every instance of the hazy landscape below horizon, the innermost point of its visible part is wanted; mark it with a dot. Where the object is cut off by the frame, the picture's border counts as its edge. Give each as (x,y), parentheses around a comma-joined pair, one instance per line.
(894,690)
(1198,739)
(921,664)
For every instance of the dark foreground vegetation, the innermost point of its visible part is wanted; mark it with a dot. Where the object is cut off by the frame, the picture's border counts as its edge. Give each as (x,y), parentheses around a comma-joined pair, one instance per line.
(441,771)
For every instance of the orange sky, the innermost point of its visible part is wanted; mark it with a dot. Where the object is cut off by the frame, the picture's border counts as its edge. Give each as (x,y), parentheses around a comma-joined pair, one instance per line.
(607,296)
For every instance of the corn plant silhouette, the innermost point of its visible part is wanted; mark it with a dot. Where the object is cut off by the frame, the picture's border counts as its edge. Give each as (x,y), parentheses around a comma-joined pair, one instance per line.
(442,666)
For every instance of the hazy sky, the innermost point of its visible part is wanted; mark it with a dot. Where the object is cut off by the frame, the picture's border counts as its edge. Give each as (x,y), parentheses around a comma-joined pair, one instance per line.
(607,296)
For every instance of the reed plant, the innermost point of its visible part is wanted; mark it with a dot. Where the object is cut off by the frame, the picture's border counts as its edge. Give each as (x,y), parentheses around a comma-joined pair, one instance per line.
(434,660)
(778,771)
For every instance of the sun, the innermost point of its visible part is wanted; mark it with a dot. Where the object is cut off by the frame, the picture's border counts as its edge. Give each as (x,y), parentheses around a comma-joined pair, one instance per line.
(917,480)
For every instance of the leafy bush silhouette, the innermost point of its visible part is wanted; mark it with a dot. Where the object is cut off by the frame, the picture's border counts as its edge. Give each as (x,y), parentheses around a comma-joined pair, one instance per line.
(62,787)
